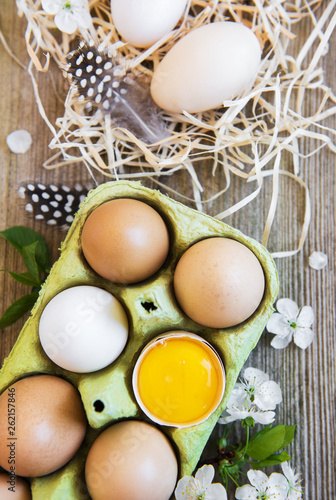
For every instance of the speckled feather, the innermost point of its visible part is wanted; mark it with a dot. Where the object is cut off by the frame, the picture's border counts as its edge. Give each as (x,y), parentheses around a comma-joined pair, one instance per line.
(125,98)
(56,205)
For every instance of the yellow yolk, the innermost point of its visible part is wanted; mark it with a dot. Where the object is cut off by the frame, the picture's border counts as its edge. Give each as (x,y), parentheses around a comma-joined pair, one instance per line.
(180,380)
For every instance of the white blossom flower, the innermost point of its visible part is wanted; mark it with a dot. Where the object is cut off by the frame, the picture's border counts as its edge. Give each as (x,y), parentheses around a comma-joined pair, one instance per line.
(254,396)
(294,487)
(200,487)
(233,413)
(274,487)
(256,387)
(69,14)
(291,323)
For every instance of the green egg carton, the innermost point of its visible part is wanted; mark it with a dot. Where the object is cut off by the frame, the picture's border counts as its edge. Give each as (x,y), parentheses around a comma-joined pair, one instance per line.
(152,309)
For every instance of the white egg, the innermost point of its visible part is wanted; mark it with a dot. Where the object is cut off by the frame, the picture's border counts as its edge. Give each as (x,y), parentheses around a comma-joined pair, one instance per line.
(215,62)
(83,329)
(144,22)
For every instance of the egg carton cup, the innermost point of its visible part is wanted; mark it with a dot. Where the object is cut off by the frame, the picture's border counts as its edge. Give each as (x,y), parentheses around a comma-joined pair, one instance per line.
(246,137)
(107,395)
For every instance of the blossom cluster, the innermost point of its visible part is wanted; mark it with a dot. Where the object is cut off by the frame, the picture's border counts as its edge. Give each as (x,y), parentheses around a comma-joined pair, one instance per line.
(254,396)
(277,486)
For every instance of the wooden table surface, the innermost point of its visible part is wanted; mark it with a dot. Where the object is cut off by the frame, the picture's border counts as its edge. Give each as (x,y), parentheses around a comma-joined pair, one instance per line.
(307,378)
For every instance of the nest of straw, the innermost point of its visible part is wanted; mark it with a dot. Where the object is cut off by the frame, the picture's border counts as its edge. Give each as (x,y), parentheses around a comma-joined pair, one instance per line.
(245,137)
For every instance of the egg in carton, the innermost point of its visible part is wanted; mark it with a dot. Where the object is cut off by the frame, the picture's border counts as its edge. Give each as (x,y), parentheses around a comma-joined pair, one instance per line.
(152,310)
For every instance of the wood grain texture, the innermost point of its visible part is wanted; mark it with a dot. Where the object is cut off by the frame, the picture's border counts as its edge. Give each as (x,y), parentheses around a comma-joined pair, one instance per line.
(307,378)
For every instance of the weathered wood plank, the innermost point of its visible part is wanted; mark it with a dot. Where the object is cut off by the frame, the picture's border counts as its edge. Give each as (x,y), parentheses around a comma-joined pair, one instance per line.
(307,378)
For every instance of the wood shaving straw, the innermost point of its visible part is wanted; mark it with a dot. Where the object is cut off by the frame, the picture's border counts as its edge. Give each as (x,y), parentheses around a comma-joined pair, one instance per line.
(246,137)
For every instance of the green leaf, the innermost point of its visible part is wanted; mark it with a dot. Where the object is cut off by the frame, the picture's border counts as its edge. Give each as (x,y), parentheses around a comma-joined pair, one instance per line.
(270,440)
(24,278)
(272,460)
(20,236)
(18,309)
(29,257)
(289,435)
(266,443)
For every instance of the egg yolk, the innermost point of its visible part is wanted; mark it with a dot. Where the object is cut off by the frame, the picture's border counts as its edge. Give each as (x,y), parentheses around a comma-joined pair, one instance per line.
(180,381)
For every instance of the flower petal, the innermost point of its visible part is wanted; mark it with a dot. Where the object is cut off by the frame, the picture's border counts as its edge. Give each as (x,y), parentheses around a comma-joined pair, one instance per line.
(204,476)
(227,419)
(303,337)
(51,6)
(19,141)
(277,487)
(278,324)
(288,472)
(254,376)
(246,492)
(239,412)
(295,493)
(268,396)
(83,18)
(79,4)
(65,21)
(318,260)
(306,317)
(263,417)
(288,308)
(238,396)
(186,489)
(294,480)
(232,413)
(281,341)
(215,491)
(258,479)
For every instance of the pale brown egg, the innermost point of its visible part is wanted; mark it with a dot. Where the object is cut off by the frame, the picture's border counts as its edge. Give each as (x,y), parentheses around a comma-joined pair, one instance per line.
(219,282)
(46,426)
(125,240)
(131,460)
(13,487)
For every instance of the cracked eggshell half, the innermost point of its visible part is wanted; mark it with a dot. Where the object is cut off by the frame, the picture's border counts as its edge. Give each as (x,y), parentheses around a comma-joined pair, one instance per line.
(178,379)
(210,64)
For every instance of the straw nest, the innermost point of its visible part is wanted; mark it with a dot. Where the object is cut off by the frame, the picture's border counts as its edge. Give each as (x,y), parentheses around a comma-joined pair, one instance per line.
(246,137)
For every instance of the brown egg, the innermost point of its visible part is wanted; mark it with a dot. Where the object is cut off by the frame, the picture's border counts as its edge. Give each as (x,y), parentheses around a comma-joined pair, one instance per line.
(131,460)
(125,240)
(14,488)
(42,424)
(219,282)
